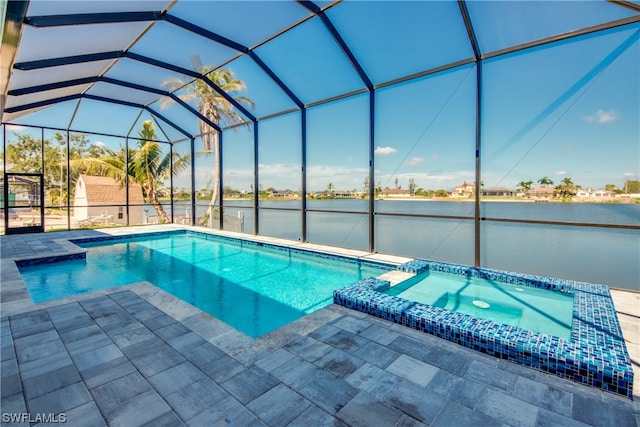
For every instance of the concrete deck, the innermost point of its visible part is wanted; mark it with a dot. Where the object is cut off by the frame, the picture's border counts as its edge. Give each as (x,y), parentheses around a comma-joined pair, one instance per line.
(136,355)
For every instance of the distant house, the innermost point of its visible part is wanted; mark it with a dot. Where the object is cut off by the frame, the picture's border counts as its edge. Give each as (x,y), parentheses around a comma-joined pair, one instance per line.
(343,194)
(594,194)
(463,190)
(163,192)
(395,192)
(287,194)
(498,191)
(330,194)
(542,193)
(102,200)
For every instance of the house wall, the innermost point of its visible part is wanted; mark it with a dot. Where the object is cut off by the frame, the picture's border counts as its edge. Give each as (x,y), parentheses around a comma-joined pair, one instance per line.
(80,208)
(117,214)
(84,209)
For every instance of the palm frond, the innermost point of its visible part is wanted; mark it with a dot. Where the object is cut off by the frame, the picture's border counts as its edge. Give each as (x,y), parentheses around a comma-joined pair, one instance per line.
(109,167)
(197,62)
(173,84)
(144,162)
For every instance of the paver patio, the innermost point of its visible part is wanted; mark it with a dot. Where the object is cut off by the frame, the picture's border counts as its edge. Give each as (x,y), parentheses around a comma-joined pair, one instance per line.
(137,356)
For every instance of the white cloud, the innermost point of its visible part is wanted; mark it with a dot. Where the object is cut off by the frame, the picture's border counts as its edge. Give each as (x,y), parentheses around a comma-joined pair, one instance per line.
(278,170)
(283,175)
(414,161)
(16,128)
(383,151)
(425,180)
(100,144)
(342,178)
(560,173)
(602,116)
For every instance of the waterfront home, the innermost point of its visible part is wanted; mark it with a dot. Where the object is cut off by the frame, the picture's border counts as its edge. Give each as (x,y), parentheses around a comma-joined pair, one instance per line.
(331,194)
(590,193)
(498,191)
(395,192)
(463,190)
(542,193)
(288,194)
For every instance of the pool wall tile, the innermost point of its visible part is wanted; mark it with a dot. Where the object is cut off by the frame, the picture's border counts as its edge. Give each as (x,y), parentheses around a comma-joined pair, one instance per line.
(236,241)
(595,355)
(50,259)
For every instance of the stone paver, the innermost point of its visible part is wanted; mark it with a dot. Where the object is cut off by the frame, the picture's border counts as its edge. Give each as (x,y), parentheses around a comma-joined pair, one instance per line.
(328,392)
(249,384)
(374,380)
(279,406)
(128,357)
(366,410)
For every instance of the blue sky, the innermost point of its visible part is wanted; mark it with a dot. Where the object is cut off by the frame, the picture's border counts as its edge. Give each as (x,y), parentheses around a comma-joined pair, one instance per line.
(562,111)
(569,109)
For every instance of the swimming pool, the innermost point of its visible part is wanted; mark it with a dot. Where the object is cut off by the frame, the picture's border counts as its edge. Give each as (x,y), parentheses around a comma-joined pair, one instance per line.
(595,353)
(254,287)
(531,308)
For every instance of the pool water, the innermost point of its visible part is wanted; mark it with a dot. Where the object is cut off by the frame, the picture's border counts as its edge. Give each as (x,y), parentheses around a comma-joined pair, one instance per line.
(252,288)
(530,308)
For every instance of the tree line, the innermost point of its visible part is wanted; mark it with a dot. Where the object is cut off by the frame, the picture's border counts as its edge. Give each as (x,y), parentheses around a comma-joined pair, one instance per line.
(567,188)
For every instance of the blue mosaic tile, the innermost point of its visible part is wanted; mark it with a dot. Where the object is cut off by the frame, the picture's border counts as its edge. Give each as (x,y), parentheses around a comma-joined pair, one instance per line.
(595,355)
(236,241)
(50,259)
(104,238)
(289,249)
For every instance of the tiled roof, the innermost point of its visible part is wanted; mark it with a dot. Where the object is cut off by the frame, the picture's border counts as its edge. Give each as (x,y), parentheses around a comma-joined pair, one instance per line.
(104,190)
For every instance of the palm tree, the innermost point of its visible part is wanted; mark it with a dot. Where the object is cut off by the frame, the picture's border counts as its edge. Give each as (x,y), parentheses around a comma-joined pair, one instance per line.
(544,181)
(147,166)
(567,188)
(525,186)
(214,107)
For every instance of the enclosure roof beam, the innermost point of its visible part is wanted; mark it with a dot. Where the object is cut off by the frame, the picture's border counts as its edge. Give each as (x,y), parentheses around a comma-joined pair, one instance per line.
(67,60)
(276,79)
(11,32)
(43,103)
(58,100)
(236,46)
(161,92)
(194,74)
(140,106)
(565,36)
(94,79)
(169,122)
(629,5)
(313,8)
(210,35)
(78,59)
(118,17)
(91,18)
(53,86)
(462,4)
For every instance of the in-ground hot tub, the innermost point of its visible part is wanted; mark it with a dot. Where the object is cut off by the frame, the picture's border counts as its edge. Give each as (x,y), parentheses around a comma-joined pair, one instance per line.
(593,354)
